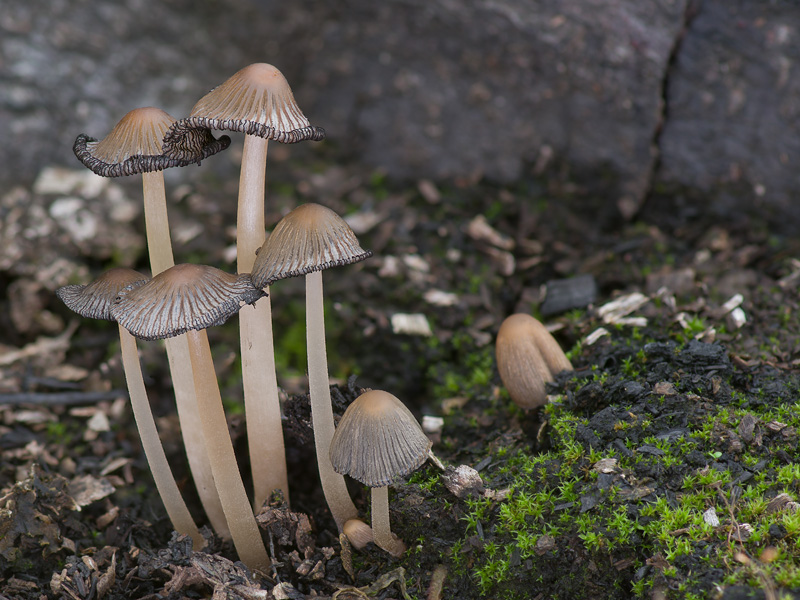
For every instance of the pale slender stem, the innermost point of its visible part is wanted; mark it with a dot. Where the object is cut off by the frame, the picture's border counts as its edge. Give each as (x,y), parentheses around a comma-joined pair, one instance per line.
(159,244)
(160,250)
(244,529)
(381,530)
(151,444)
(333,485)
(183,383)
(259,380)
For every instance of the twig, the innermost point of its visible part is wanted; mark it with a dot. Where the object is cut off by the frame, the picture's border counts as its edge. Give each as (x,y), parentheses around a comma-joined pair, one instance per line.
(61,398)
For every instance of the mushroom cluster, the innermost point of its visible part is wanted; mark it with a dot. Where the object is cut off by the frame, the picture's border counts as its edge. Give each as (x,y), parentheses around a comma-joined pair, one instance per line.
(179,302)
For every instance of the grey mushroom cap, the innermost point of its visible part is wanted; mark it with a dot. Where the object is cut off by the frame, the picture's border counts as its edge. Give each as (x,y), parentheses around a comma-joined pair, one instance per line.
(95,300)
(257,100)
(378,440)
(310,238)
(182,298)
(134,146)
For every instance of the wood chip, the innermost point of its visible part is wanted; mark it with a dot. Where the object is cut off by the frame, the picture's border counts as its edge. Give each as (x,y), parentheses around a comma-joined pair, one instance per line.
(87,489)
(411,324)
(612,312)
(480,230)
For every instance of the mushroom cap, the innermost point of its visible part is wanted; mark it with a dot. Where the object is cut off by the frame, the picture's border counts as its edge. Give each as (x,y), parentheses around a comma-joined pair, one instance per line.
(527,357)
(358,533)
(310,238)
(95,300)
(182,298)
(256,100)
(378,440)
(134,146)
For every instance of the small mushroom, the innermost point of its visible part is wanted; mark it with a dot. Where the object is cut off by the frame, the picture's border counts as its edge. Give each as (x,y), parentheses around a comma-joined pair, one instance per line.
(358,533)
(182,298)
(306,241)
(134,146)
(377,441)
(527,358)
(258,102)
(186,299)
(94,301)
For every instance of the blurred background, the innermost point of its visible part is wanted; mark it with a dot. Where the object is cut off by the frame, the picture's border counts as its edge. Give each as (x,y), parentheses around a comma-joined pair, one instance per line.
(666,111)
(692,105)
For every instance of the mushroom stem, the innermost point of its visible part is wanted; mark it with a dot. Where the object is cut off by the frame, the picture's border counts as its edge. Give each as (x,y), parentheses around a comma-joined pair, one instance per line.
(160,250)
(151,444)
(159,244)
(259,380)
(333,485)
(381,530)
(244,529)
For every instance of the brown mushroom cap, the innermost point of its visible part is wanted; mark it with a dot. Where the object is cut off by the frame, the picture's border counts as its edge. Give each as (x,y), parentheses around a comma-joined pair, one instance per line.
(134,146)
(358,533)
(378,440)
(95,300)
(310,238)
(182,298)
(256,100)
(527,357)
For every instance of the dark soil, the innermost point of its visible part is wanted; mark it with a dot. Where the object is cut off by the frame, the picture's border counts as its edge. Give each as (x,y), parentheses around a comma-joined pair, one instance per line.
(665,465)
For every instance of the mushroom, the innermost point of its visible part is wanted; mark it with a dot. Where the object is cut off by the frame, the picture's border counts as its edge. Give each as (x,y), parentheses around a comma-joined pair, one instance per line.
(358,533)
(258,102)
(377,441)
(307,240)
(186,299)
(527,358)
(94,301)
(134,146)
(182,298)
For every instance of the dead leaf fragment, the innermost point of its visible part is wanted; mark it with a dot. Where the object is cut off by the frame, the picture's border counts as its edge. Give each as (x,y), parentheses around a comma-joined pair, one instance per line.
(87,489)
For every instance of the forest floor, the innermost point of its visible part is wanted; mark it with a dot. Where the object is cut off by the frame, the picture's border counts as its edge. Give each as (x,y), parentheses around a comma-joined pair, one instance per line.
(666,465)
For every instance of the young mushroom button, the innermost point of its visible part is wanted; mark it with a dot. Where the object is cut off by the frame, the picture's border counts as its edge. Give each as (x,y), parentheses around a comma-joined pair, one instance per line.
(527,358)
(377,441)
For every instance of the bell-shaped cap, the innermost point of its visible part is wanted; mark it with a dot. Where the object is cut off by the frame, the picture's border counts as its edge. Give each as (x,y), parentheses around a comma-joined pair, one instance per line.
(95,300)
(378,440)
(135,146)
(182,298)
(358,533)
(310,238)
(528,356)
(256,101)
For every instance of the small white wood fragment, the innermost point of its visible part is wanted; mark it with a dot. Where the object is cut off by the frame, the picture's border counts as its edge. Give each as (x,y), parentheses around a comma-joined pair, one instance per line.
(613,311)
(410,324)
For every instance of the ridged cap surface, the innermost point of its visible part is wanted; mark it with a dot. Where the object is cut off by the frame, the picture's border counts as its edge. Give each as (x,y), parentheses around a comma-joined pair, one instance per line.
(378,440)
(182,298)
(134,146)
(310,238)
(95,300)
(256,100)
